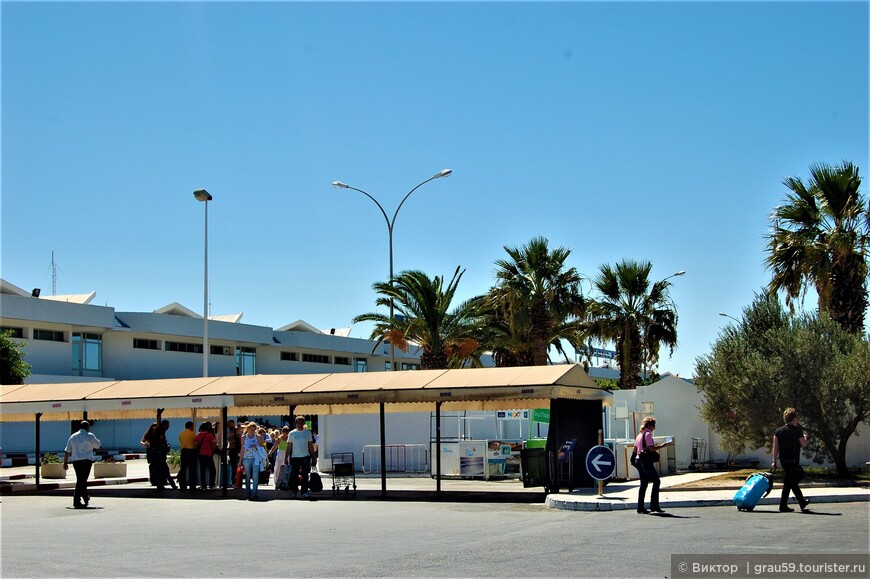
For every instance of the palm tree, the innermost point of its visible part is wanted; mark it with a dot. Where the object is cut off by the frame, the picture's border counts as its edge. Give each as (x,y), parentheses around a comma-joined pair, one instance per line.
(535,304)
(820,237)
(422,305)
(637,315)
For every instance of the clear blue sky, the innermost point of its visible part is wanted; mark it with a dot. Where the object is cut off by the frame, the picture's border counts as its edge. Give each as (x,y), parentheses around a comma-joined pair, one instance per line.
(657,131)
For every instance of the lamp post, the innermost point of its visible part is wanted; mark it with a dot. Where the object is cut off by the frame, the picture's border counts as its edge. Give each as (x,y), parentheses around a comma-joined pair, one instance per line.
(724,315)
(664,286)
(390,226)
(205,197)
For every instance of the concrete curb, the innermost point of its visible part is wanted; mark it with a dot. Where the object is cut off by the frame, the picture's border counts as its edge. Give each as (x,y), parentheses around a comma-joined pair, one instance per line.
(567,504)
(7,489)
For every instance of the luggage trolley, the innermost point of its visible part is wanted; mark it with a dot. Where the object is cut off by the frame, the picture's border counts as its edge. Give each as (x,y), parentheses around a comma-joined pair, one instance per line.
(343,472)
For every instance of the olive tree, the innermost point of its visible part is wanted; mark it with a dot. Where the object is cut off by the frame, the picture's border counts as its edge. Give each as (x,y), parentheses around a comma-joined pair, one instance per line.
(771,361)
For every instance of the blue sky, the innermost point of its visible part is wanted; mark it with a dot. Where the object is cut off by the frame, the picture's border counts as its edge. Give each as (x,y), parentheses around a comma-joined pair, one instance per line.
(657,131)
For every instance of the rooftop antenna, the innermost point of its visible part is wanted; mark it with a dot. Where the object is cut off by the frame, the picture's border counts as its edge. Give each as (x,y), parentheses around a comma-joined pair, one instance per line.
(53,275)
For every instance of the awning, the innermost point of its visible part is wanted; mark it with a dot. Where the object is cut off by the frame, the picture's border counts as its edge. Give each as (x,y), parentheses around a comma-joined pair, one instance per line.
(339,393)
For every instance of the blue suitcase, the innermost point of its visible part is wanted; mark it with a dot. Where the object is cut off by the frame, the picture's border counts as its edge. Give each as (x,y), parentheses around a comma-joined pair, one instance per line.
(757,487)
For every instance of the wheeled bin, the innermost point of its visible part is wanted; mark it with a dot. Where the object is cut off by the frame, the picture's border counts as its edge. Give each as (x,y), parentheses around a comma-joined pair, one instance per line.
(537,468)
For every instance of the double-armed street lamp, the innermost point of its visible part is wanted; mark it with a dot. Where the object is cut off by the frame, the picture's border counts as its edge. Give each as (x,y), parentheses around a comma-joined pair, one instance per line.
(205,197)
(390,226)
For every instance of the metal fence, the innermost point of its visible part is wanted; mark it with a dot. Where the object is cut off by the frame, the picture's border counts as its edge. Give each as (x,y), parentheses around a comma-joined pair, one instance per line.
(411,458)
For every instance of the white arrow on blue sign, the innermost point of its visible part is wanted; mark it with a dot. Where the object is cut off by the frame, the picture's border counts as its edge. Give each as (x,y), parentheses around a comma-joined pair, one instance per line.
(600,462)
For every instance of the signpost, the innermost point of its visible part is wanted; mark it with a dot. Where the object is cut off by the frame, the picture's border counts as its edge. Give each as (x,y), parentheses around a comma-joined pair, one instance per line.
(600,463)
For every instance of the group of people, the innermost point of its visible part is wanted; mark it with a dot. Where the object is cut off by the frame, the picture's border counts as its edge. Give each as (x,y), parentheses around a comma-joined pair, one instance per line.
(250,447)
(262,450)
(788,441)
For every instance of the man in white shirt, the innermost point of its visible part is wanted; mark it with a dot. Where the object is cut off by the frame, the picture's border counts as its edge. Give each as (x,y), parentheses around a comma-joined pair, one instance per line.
(80,448)
(300,447)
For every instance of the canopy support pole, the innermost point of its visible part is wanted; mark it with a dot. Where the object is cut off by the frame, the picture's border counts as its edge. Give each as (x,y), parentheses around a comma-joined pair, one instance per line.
(224,453)
(438,449)
(38,461)
(383,454)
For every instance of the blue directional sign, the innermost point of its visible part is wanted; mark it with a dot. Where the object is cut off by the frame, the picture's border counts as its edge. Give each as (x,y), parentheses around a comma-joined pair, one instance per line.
(600,462)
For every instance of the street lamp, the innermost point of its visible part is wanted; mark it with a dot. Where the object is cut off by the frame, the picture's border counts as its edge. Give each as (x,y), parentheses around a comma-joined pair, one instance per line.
(390,225)
(205,197)
(724,315)
(663,284)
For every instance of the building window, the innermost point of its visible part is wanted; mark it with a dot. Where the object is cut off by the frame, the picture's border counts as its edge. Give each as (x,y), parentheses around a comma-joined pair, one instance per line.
(221,350)
(183,347)
(13,332)
(143,344)
(342,360)
(410,366)
(317,358)
(48,335)
(246,361)
(87,353)
(360,365)
(289,356)
(388,366)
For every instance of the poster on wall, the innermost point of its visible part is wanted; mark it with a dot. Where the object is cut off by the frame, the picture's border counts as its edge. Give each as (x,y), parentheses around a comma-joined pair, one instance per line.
(472,458)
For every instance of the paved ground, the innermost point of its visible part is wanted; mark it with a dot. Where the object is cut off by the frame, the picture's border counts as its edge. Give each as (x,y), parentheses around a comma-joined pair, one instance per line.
(617,495)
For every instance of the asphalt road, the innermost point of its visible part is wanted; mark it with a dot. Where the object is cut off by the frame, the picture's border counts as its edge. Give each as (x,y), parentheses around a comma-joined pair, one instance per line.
(142,536)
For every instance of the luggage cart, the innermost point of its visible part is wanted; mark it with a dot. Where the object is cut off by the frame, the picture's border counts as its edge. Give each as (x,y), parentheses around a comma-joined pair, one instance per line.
(343,472)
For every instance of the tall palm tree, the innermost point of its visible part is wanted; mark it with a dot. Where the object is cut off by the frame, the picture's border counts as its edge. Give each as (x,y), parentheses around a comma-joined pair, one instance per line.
(820,237)
(535,304)
(422,305)
(637,315)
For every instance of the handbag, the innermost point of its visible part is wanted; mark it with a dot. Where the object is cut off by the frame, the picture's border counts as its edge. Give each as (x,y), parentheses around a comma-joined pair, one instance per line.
(240,472)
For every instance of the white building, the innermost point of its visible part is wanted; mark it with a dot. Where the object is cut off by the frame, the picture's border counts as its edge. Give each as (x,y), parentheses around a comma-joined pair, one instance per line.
(68,339)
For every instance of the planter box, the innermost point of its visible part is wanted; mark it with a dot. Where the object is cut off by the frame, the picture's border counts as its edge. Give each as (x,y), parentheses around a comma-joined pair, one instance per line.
(52,470)
(110,469)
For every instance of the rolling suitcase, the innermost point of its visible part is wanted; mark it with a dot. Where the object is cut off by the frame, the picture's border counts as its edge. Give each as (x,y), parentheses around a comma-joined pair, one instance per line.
(757,487)
(282,478)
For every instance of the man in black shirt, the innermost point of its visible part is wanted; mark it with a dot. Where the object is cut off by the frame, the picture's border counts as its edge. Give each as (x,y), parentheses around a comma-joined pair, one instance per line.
(787,444)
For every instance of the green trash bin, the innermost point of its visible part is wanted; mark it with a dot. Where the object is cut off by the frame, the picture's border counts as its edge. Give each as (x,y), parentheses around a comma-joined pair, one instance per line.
(536,443)
(536,466)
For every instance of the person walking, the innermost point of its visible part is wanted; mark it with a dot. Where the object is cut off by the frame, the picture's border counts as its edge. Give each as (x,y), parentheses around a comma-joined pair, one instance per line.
(788,441)
(254,460)
(647,456)
(300,448)
(187,472)
(206,445)
(80,448)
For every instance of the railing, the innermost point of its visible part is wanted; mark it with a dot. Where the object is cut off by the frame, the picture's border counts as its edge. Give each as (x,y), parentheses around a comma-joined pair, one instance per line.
(412,458)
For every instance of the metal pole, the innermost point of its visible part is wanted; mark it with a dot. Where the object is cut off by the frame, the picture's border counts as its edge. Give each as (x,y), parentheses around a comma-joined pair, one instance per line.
(38,460)
(438,448)
(205,301)
(383,454)
(224,452)
(600,482)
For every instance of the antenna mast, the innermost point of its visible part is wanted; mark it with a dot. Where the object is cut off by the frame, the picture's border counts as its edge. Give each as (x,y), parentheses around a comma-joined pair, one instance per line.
(53,275)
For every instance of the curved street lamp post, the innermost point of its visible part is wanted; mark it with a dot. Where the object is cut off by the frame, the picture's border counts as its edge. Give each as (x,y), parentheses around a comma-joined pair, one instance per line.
(390,226)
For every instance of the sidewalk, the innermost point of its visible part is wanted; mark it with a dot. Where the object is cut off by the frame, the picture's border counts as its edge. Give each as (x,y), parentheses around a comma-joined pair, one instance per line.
(617,495)
(623,495)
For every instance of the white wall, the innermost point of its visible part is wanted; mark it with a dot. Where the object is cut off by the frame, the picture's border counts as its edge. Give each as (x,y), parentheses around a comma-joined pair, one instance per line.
(676,406)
